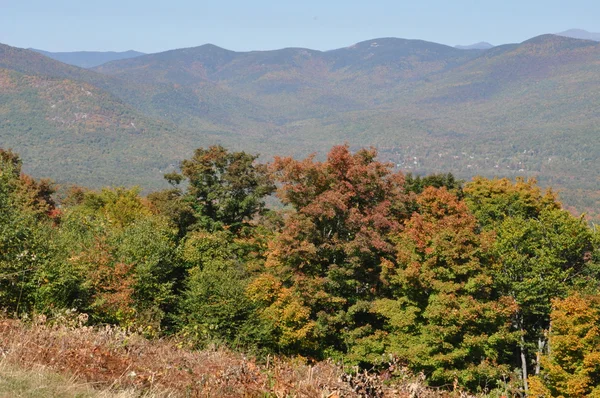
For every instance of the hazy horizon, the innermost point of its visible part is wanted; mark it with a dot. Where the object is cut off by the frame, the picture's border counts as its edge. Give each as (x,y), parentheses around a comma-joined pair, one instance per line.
(152,26)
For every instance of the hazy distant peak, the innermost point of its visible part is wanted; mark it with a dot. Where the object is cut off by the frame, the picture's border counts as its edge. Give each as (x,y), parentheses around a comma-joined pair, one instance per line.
(387,44)
(580,34)
(555,39)
(204,49)
(374,43)
(212,47)
(88,59)
(482,45)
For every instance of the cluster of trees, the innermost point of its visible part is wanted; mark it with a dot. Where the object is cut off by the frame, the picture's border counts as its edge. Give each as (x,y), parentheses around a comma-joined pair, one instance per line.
(487,285)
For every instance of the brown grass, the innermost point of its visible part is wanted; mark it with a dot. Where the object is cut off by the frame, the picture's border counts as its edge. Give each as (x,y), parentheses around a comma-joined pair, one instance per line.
(40,382)
(111,359)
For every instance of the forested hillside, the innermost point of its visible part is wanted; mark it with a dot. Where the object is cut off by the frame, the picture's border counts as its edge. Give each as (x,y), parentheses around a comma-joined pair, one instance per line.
(523,109)
(80,133)
(485,286)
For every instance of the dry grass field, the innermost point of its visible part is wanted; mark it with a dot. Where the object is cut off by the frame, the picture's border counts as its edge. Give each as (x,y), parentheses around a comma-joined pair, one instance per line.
(45,360)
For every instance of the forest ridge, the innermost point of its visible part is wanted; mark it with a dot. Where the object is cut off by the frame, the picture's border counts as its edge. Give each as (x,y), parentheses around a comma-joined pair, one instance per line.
(524,109)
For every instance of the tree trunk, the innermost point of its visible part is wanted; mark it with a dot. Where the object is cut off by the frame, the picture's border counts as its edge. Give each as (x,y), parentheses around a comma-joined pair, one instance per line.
(524,364)
(523,356)
(548,348)
(538,355)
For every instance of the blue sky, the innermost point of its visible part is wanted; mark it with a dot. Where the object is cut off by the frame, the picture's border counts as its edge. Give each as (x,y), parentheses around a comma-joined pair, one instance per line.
(152,26)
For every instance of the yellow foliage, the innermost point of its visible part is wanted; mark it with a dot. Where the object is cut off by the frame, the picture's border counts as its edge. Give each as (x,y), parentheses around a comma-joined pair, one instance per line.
(537,389)
(284,310)
(573,367)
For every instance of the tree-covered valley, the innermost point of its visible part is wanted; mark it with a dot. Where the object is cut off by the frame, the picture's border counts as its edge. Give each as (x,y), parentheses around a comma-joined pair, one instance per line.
(487,286)
(525,109)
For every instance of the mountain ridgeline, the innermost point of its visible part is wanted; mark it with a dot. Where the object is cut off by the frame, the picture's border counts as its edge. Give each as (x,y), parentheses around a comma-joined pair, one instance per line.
(580,34)
(88,59)
(482,45)
(518,109)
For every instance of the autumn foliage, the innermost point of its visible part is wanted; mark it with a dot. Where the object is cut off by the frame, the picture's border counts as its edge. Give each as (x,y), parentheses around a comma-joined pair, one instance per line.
(444,313)
(488,286)
(572,365)
(325,263)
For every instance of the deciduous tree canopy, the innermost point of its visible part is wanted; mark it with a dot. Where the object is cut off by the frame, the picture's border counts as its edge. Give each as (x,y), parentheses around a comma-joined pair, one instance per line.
(487,287)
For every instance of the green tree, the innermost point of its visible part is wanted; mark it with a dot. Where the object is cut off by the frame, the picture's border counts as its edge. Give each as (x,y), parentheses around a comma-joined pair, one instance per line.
(224,188)
(149,247)
(417,184)
(172,204)
(215,306)
(541,258)
(542,252)
(492,200)
(24,233)
(118,261)
(444,316)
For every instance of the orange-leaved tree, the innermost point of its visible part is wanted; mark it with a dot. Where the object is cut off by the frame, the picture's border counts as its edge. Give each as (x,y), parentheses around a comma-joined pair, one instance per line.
(325,264)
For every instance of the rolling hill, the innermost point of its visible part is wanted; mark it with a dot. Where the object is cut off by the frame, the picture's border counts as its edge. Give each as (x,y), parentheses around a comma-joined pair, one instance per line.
(68,128)
(76,133)
(240,89)
(517,109)
(32,63)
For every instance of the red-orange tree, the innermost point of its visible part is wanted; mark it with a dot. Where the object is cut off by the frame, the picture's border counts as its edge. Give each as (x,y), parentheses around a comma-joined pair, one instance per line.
(328,258)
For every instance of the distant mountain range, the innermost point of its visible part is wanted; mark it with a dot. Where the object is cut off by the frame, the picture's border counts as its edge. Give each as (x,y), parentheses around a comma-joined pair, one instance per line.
(572,33)
(580,34)
(482,45)
(88,59)
(518,109)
